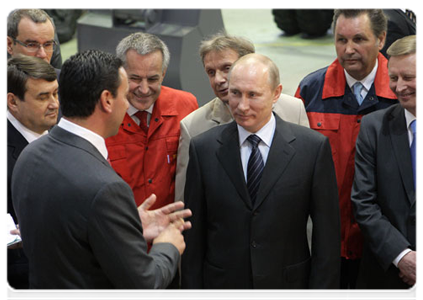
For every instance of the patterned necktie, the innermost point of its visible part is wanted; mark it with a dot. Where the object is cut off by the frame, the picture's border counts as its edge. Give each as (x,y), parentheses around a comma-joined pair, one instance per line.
(357,88)
(415,151)
(255,167)
(142,116)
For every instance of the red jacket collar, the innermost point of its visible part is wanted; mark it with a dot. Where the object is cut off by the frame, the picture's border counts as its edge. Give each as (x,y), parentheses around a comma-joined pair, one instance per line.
(334,85)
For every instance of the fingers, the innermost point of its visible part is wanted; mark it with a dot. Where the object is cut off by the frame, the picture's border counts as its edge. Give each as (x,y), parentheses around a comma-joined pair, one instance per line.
(170,208)
(148,202)
(185,213)
(181,224)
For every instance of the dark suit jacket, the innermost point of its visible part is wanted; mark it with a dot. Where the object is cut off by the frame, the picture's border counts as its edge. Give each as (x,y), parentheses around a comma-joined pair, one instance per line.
(235,245)
(383,196)
(399,26)
(79,222)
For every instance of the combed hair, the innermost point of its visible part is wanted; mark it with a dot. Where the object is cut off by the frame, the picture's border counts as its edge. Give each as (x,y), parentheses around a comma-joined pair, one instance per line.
(144,43)
(21,68)
(223,41)
(83,77)
(36,15)
(403,46)
(378,20)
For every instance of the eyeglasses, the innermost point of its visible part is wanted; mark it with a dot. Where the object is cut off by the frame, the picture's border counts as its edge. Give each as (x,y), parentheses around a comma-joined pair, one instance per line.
(35,46)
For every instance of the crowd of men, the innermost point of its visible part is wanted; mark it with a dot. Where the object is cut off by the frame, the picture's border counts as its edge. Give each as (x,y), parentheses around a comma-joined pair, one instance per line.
(126,183)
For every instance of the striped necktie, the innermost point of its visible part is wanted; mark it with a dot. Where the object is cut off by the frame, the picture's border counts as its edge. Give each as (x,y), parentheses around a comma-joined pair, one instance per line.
(255,167)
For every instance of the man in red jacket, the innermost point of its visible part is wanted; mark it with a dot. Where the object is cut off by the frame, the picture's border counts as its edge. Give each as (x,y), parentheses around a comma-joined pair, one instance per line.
(144,151)
(336,98)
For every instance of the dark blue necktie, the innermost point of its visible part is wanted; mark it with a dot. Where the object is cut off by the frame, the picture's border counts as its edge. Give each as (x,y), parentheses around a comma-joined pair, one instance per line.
(255,167)
(415,151)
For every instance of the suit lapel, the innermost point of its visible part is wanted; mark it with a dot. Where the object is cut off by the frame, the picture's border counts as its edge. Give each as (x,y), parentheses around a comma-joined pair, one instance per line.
(399,141)
(228,155)
(280,154)
(15,140)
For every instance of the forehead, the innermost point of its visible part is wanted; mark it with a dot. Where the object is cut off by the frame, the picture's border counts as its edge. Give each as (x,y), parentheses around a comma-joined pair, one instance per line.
(402,63)
(37,86)
(141,64)
(250,76)
(225,56)
(29,30)
(352,26)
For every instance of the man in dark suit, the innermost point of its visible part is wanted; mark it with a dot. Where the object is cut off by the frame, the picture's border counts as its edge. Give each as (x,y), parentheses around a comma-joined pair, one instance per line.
(78,219)
(400,24)
(384,193)
(250,211)
(32,108)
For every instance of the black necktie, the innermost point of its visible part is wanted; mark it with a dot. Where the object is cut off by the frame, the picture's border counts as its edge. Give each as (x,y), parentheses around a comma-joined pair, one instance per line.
(254,168)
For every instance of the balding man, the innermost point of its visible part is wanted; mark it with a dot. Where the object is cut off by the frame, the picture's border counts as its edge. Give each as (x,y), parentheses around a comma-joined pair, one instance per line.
(251,185)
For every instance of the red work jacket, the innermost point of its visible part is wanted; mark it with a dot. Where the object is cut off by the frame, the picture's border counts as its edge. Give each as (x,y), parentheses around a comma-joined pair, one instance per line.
(148,162)
(333,111)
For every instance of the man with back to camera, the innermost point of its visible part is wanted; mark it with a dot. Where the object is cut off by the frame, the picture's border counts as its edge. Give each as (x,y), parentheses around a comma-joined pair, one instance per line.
(218,53)
(384,190)
(79,222)
(32,109)
(252,185)
(336,98)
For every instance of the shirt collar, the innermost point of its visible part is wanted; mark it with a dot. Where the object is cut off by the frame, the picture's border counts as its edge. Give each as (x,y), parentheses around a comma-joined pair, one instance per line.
(90,136)
(409,117)
(28,134)
(265,133)
(366,81)
(132,110)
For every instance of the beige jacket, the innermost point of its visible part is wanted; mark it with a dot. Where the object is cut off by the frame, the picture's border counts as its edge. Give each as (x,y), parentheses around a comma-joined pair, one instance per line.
(215,113)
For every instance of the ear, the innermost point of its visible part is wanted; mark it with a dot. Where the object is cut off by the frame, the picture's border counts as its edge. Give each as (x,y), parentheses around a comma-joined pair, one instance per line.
(106,103)
(382,40)
(12,104)
(277,93)
(9,45)
(164,74)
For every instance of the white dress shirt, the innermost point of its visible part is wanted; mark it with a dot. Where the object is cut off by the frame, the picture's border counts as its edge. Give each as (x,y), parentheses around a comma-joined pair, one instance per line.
(266,134)
(366,81)
(90,136)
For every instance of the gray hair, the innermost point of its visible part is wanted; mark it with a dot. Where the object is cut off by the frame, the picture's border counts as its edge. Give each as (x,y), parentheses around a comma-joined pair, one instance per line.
(143,43)
(403,46)
(36,15)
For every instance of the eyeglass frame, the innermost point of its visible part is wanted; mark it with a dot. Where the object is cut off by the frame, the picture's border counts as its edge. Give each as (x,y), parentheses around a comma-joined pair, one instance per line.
(39,45)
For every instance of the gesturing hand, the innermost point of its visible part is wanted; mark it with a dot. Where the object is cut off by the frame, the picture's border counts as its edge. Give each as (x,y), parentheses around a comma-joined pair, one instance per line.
(155,221)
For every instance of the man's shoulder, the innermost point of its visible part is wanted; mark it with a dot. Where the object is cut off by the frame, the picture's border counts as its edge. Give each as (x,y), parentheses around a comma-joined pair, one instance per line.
(168,92)
(201,114)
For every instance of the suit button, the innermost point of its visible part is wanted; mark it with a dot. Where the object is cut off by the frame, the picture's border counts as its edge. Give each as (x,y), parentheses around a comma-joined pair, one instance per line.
(156,120)
(254,244)
(146,148)
(319,124)
(150,180)
(359,120)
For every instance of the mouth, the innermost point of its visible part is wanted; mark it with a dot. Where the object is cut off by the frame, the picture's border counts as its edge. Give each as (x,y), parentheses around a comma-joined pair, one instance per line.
(406,95)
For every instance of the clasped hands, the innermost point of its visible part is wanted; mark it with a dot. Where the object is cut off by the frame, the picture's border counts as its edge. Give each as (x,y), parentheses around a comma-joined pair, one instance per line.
(155,221)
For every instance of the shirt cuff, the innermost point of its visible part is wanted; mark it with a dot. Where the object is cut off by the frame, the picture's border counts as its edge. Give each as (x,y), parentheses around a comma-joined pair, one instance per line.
(400,256)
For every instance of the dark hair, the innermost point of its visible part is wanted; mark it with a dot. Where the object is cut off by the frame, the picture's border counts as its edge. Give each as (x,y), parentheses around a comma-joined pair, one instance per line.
(378,20)
(22,67)
(36,15)
(84,76)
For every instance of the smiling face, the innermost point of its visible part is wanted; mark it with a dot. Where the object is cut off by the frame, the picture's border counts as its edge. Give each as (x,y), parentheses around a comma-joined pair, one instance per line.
(356,46)
(251,96)
(402,80)
(39,109)
(145,76)
(217,65)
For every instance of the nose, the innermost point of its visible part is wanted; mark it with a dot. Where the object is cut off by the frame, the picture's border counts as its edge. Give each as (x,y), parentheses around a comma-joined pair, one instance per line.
(244,104)
(54,102)
(41,53)
(401,85)
(143,87)
(350,47)
(220,77)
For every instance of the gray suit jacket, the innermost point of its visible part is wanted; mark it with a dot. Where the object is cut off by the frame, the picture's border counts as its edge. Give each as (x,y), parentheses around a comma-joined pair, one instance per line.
(383,196)
(79,220)
(216,113)
(233,244)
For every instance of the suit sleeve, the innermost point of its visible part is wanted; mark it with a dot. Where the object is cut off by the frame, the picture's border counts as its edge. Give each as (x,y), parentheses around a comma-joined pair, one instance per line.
(303,116)
(195,238)
(115,236)
(326,238)
(182,162)
(384,240)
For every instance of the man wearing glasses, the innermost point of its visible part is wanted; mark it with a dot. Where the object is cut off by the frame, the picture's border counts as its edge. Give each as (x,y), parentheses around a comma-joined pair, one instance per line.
(31,32)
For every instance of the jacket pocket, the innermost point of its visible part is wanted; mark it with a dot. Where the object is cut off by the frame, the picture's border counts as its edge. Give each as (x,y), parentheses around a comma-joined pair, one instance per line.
(324,121)
(297,275)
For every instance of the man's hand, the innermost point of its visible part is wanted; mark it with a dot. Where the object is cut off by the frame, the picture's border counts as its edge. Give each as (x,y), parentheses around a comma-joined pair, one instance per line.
(172,234)
(407,267)
(16,245)
(155,221)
